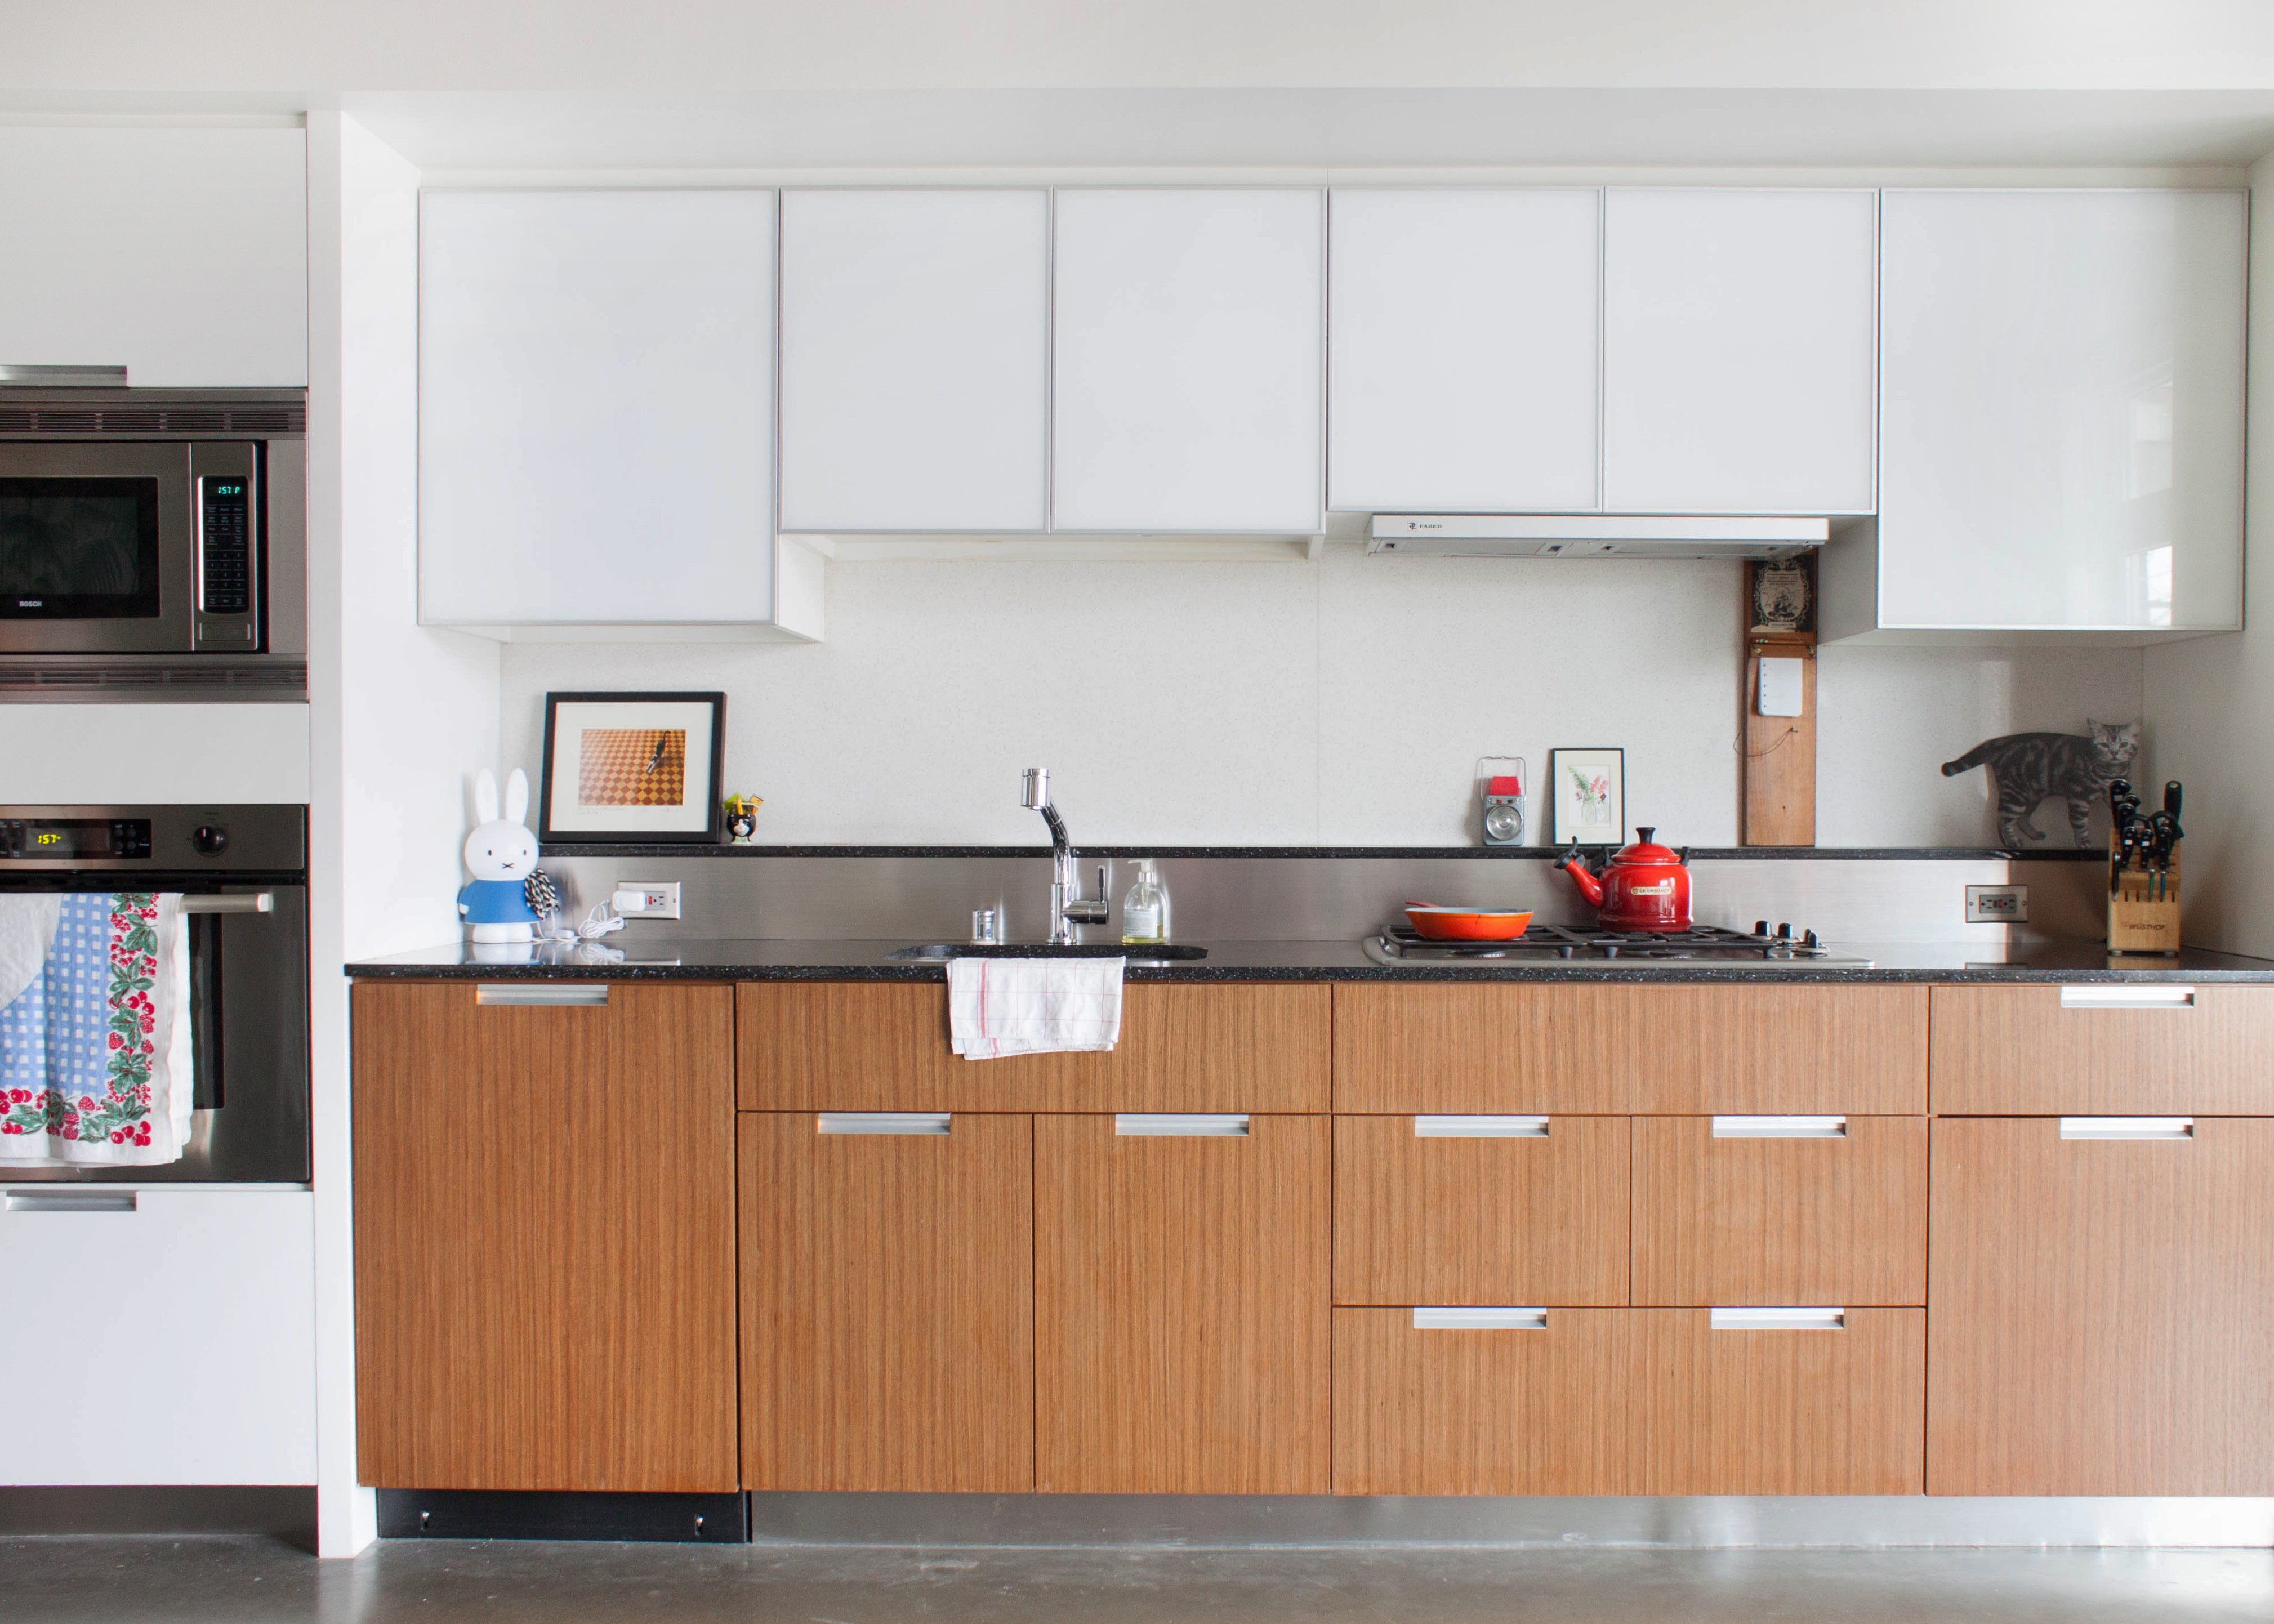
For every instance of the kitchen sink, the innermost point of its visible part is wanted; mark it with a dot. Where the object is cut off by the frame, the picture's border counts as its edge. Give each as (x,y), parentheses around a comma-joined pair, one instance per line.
(940,953)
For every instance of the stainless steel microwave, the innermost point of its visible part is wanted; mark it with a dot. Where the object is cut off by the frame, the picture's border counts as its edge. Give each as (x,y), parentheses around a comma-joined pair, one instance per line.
(155,527)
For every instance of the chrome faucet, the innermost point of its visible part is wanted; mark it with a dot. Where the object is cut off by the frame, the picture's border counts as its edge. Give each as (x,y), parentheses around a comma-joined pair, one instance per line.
(1068,907)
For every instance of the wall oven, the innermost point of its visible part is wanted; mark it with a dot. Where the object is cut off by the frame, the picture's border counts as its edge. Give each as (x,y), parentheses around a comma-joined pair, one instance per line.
(243,873)
(153,538)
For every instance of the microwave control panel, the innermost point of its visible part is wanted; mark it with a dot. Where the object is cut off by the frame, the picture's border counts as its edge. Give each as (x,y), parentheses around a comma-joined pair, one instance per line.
(225,584)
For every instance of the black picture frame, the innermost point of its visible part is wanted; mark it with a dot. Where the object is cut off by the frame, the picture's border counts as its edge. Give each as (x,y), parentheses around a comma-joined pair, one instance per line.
(713,829)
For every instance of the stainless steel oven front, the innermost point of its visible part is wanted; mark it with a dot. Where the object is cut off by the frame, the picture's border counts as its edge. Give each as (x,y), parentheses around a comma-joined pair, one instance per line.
(241,871)
(147,529)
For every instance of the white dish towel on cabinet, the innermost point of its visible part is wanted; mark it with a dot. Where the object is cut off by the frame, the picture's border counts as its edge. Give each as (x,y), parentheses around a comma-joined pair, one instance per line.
(1032,1006)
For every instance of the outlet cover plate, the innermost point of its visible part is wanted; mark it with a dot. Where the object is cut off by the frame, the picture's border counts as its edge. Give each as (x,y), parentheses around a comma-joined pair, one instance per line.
(1996,905)
(662,898)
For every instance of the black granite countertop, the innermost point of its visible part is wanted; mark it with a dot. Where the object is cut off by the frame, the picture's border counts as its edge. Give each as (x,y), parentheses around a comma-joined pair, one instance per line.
(757,960)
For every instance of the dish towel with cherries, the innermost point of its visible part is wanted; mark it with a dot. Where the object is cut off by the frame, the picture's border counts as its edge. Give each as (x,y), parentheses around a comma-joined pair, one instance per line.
(95,1028)
(1032,1006)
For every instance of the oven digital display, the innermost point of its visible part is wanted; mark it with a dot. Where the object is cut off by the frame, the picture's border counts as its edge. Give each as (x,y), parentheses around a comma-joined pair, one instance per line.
(74,839)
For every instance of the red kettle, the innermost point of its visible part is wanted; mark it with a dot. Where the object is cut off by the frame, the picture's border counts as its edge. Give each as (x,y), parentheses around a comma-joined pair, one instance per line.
(1645,886)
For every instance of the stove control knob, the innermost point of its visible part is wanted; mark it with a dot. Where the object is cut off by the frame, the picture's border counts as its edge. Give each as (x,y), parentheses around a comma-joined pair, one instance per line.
(1808,939)
(1760,927)
(210,839)
(1784,933)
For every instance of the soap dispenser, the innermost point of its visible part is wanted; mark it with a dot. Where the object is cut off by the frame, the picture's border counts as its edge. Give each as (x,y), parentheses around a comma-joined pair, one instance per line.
(1145,910)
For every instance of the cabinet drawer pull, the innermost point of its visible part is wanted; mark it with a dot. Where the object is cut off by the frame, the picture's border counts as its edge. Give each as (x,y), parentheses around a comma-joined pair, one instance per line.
(71,1200)
(1779,1319)
(2117,995)
(1479,1319)
(883,1122)
(2127,1127)
(542,993)
(1134,1125)
(235,902)
(1779,1127)
(1480,1127)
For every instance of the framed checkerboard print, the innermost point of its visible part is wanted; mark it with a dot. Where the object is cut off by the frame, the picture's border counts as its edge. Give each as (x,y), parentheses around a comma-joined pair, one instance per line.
(633,767)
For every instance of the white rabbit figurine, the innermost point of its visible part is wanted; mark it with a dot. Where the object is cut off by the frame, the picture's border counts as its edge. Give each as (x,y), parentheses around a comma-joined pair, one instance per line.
(499,854)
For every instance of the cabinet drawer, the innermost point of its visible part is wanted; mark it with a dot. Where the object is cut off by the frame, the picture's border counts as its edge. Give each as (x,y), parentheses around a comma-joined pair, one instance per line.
(1629,1401)
(2107,1048)
(1773,1210)
(1460,1209)
(870,1046)
(1630,1049)
(887,1302)
(1551,1408)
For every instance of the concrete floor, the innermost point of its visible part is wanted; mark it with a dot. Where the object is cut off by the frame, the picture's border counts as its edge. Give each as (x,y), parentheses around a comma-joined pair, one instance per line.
(96,1580)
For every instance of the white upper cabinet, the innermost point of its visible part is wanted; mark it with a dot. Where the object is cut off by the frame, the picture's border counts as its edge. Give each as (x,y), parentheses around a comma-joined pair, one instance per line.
(1738,351)
(180,254)
(2062,435)
(1462,350)
(916,366)
(595,409)
(1188,375)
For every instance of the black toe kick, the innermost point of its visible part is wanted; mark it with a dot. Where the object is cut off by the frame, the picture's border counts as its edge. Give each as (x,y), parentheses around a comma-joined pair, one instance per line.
(494,1514)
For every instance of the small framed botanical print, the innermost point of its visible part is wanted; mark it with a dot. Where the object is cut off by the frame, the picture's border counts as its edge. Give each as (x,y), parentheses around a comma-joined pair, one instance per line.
(1589,796)
(633,767)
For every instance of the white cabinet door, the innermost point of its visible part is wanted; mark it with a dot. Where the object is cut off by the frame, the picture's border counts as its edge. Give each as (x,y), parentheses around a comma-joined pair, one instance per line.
(180,254)
(172,1343)
(1188,374)
(915,371)
(1460,350)
(2062,414)
(1738,351)
(596,407)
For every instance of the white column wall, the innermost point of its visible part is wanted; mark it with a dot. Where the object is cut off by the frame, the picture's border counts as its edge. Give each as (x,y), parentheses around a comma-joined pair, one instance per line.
(401,716)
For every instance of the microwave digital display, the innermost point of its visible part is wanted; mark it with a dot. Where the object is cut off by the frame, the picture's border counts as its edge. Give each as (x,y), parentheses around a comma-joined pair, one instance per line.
(78,548)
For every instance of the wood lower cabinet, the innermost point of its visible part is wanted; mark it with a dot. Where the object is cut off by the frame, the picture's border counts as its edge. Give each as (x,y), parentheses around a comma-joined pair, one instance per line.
(2117,1049)
(1636,1401)
(545,1238)
(1460,1210)
(1181,1302)
(2103,1310)
(1743,1213)
(1612,1048)
(887,1302)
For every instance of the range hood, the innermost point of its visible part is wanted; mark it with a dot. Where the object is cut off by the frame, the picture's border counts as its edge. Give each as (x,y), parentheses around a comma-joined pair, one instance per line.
(1593,535)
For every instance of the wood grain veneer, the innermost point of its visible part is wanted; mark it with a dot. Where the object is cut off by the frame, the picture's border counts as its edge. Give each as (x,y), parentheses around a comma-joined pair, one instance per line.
(545,1234)
(1482,1221)
(882,1046)
(1181,1330)
(2015,1051)
(1629,1401)
(1732,1222)
(1611,1049)
(2103,1311)
(888,1294)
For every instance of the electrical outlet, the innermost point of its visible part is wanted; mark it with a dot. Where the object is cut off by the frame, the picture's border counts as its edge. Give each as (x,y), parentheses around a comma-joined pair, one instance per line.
(646,898)
(1996,905)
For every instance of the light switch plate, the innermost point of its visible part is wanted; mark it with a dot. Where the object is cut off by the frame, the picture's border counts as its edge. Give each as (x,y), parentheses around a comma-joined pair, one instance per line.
(661,898)
(1781,686)
(1996,905)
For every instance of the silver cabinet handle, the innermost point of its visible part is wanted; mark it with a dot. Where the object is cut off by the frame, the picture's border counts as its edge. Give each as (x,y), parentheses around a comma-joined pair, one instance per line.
(1136,1125)
(542,993)
(71,1200)
(883,1122)
(2123,995)
(1480,1127)
(2127,1127)
(1780,1320)
(1479,1319)
(238,902)
(1779,1127)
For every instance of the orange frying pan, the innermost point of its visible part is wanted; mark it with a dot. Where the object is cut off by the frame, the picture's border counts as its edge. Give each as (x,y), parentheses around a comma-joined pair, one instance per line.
(1451,924)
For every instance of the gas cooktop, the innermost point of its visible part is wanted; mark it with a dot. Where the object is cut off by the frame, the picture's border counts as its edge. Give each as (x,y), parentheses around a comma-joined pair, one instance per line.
(1706,946)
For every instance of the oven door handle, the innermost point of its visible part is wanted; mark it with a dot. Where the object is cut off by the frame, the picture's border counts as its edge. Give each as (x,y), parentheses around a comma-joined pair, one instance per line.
(242,902)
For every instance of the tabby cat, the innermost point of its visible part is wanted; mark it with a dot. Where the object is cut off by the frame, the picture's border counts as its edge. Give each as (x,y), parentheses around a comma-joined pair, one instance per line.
(2031,768)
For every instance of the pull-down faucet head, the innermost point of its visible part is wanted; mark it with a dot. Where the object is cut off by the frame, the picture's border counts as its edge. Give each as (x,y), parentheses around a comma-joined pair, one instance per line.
(1036,784)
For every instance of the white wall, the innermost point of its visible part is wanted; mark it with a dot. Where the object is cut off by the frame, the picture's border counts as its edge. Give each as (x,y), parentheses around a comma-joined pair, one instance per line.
(1338,703)
(399,715)
(2212,700)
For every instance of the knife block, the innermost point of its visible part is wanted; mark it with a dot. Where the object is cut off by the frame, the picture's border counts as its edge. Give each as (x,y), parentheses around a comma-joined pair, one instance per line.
(2139,921)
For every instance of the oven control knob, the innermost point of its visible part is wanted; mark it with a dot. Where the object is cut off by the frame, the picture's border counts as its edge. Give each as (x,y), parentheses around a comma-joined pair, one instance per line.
(211,839)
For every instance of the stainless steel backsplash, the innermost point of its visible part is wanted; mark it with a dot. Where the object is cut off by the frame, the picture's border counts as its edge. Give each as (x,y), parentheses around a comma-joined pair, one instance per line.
(1306,899)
